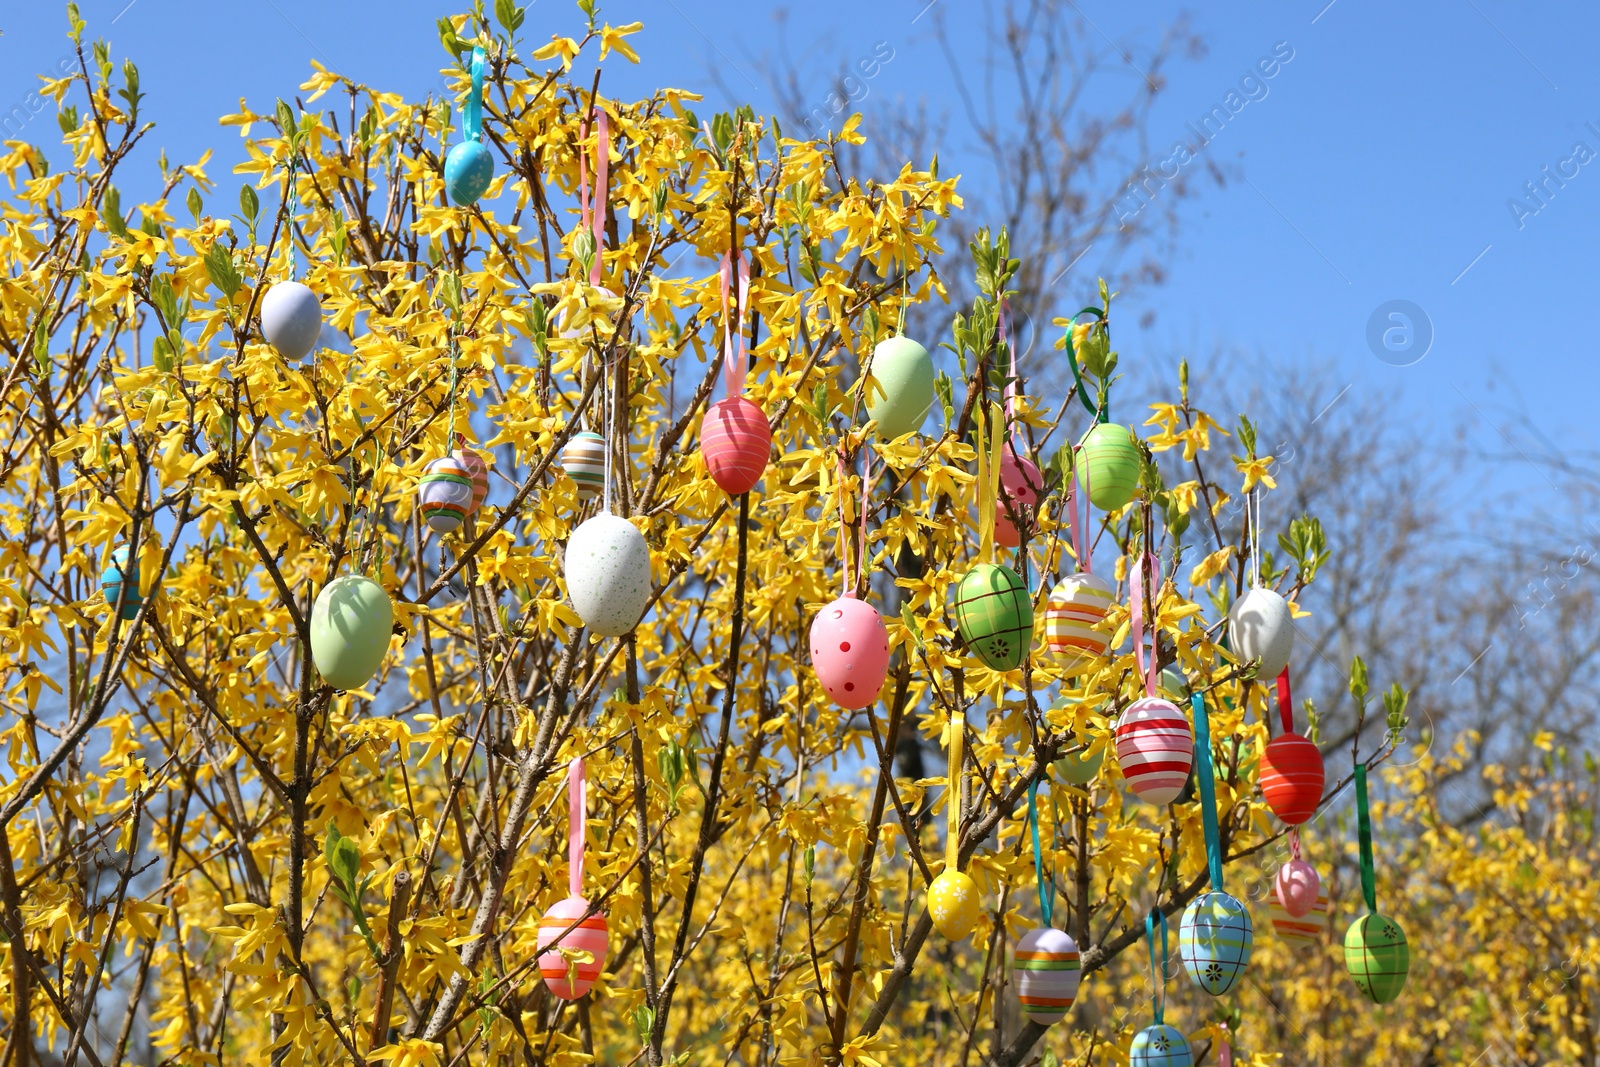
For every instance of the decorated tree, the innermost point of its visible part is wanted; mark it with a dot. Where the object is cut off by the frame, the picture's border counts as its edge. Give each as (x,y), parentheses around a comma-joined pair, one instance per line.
(355,529)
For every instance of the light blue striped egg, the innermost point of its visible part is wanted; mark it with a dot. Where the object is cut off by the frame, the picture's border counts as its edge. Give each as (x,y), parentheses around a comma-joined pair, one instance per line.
(1214,942)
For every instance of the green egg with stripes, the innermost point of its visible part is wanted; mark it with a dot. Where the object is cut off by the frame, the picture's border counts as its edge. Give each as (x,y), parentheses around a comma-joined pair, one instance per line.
(1108,466)
(1377,956)
(994,615)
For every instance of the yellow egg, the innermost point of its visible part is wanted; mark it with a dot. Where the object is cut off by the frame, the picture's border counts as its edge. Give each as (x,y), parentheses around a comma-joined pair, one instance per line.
(953,903)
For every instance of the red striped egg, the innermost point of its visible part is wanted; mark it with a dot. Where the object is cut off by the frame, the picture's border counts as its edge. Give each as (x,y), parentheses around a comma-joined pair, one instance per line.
(736,442)
(1072,617)
(570,975)
(478,471)
(1155,748)
(1020,483)
(1292,777)
(1300,931)
(1046,970)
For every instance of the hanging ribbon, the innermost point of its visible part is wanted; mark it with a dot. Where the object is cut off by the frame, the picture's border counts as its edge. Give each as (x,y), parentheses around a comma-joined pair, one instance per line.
(1208,789)
(991,435)
(1101,414)
(1136,611)
(733,365)
(1369,879)
(1011,374)
(592,210)
(1158,977)
(1285,705)
(853,574)
(1224,1050)
(472,108)
(1047,897)
(952,808)
(577,826)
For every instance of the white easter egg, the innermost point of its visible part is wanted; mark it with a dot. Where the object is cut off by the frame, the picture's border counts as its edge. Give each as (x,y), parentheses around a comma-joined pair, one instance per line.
(291,319)
(1260,627)
(608,574)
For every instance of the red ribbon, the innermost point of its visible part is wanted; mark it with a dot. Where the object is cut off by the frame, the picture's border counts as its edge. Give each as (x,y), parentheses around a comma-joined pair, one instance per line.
(1285,705)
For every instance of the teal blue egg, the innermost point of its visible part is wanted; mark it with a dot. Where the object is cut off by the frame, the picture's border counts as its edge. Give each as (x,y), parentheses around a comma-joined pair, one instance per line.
(468,170)
(118,571)
(1160,1046)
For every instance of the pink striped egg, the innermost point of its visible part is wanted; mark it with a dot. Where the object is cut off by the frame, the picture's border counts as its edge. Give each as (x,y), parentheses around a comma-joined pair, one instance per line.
(478,471)
(1020,483)
(1046,969)
(1155,748)
(736,442)
(570,977)
(1078,605)
(850,652)
(445,495)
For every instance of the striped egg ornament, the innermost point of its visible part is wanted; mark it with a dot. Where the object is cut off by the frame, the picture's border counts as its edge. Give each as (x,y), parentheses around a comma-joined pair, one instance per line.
(570,977)
(1155,749)
(1160,1046)
(1077,606)
(445,495)
(1292,777)
(1300,931)
(1108,466)
(584,460)
(1214,941)
(994,615)
(1046,970)
(736,443)
(118,571)
(478,471)
(1377,956)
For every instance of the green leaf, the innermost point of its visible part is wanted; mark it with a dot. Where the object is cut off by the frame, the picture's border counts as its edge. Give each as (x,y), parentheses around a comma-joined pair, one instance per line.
(111,210)
(194,203)
(249,203)
(220,269)
(451,41)
(75,24)
(344,860)
(1358,680)
(509,15)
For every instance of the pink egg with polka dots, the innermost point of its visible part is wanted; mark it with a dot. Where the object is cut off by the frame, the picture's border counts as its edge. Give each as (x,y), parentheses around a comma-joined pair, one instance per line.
(1020,482)
(850,652)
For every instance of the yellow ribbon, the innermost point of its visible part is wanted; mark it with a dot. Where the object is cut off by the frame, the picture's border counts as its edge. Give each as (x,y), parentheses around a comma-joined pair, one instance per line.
(991,436)
(952,809)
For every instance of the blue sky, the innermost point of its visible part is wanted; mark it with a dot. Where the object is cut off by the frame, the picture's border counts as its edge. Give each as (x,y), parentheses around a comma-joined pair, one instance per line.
(1379,166)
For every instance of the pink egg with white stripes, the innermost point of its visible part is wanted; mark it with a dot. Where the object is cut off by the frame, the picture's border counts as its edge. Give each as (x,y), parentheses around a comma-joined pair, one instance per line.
(566,970)
(736,442)
(850,652)
(1297,886)
(1020,482)
(1155,748)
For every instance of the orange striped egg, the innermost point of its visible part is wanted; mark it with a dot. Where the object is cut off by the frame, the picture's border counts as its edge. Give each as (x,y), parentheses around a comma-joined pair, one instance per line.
(736,442)
(478,471)
(1046,969)
(1308,929)
(1077,605)
(1155,749)
(1291,778)
(565,969)
(445,495)
(584,460)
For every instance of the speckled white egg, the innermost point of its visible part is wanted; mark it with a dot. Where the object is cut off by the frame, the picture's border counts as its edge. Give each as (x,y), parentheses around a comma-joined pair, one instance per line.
(1261,628)
(608,574)
(291,319)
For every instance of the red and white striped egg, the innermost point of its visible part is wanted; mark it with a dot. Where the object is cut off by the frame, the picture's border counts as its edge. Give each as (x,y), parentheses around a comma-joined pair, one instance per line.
(736,443)
(1291,777)
(1155,749)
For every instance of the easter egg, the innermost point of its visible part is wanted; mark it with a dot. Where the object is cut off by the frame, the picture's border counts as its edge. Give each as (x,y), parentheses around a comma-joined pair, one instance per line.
(351,623)
(1260,628)
(608,574)
(850,652)
(291,319)
(1298,931)
(445,495)
(899,387)
(119,570)
(1155,749)
(994,615)
(1046,972)
(1214,941)
(1160,1046)
(478,471)
(1072,619)
(1291,778)
(1297,887)
(953,903)
(569,976)
(584,460)
(1377,956)
(736,442)
(1080,768)
(1108,466)
(1020,483)
(468,169)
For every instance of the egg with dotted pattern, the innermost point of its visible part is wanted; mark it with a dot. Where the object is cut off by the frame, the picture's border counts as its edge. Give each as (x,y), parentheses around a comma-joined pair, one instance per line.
(468,170)
(953,904)
(850,652)
(1020,484)
(608,574)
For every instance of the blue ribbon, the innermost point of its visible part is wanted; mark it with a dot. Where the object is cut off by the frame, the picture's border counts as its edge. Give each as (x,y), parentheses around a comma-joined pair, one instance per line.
(1158,999)
(1208,789)
(472,109)
(1047,901)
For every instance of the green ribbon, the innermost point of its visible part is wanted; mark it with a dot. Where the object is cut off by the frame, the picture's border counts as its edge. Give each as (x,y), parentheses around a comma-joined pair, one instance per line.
(1208,789)
(472,109)
(1101,414)
(1047,901)
(1369,879)
(1158,978)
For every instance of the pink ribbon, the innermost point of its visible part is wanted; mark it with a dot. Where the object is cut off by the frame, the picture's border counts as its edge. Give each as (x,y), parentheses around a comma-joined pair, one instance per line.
(733,366)
(1224,1050)
(577,827)
(594,211)
(1136,610)
(1011,374)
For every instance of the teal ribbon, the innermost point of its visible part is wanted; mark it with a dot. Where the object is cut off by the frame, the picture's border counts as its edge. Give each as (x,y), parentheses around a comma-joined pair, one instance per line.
(1369,878)
(1208,788)
(1158,978)
(1047,898)
(472,110)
